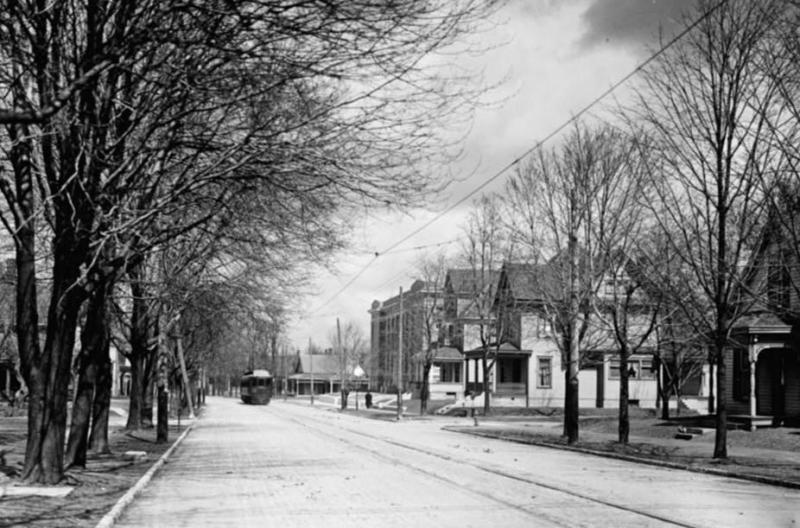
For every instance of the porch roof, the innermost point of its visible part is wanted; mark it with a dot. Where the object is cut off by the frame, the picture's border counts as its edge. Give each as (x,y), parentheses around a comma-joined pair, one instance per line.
(505,349)
(447,354)
(316,376)
(762,323)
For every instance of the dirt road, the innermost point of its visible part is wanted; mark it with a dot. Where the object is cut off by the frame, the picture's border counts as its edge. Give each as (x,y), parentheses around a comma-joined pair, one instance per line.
(290,465)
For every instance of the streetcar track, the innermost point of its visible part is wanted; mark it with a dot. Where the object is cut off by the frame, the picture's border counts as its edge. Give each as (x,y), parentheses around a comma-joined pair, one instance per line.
(479,466)
(401,462)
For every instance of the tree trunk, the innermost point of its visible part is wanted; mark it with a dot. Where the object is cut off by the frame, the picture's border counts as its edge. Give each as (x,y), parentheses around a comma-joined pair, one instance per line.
(49,379)
(33,365)
(98,439)
(721,436)
(571,402)
(162,427)
(81,413)
(624,427)
(425,393)
(142,355)
(93,354)
(572,394)
(711,386)
(149,387)
(487,388)
(137,390)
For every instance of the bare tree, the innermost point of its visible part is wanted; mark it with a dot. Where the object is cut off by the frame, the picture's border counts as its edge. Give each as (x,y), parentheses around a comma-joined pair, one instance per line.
(571,206)
(431,269)
(705,103)
(485,247)
(109,123)
(623,305)
(351,348)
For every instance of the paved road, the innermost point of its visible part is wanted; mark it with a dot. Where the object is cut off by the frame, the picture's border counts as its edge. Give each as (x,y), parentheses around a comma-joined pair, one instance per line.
(289,465)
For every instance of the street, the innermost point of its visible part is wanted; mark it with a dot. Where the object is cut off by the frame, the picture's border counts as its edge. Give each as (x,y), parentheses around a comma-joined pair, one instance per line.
(286,464)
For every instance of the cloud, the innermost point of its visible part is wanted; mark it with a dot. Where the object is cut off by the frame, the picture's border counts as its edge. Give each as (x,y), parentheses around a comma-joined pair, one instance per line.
(635,24)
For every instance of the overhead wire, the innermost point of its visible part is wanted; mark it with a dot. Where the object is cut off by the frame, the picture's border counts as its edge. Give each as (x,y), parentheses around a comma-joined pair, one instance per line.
(641,66)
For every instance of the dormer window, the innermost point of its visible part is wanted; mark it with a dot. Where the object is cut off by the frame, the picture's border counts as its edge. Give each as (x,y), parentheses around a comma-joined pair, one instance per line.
(778,284)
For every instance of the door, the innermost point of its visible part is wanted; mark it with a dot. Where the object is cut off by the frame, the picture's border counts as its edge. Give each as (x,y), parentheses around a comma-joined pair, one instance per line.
(771,383)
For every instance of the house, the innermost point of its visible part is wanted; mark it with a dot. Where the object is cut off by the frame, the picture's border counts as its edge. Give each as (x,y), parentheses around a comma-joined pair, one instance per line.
(314,373)
(320,373)
(467,322)
(763,361)
(530,365)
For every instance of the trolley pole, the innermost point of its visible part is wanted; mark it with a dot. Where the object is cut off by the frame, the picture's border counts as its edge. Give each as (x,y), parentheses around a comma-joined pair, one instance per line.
(400,361)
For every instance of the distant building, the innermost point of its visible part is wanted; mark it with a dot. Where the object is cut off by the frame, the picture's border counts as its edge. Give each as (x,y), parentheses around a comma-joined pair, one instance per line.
(318,374)
(418,302)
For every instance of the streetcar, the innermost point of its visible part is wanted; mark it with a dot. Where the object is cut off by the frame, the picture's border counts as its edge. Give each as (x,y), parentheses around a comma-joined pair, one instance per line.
(255,387)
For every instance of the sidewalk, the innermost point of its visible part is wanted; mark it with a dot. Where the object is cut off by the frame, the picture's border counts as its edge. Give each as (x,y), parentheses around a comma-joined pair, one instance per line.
(769,466)
(85,495)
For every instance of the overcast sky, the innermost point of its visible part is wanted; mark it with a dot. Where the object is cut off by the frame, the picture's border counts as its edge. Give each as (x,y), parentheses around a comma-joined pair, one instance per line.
(555,57)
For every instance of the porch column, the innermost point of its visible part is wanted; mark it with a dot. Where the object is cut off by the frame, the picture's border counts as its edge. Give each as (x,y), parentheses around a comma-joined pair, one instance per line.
(465,364)
(753,358)
(527,381)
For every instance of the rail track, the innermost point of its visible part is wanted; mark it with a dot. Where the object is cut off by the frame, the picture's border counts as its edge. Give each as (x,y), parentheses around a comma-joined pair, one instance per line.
(468,474)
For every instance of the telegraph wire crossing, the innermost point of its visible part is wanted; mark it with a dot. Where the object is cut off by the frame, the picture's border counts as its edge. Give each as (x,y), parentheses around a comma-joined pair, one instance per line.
(575,117)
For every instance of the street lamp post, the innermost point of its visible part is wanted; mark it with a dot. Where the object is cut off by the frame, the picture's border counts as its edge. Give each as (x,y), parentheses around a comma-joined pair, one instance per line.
(358,373)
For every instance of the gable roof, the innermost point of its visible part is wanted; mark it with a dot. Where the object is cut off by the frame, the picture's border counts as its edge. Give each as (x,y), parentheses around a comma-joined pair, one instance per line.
(464,280)
(528,282)
(322,364)
(447,354)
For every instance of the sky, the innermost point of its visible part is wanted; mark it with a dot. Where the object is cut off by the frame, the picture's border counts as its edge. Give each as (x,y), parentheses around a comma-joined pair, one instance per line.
(551,58)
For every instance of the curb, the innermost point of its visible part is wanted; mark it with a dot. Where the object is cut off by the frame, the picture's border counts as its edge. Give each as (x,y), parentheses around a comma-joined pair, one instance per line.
(630,458)
(111,517)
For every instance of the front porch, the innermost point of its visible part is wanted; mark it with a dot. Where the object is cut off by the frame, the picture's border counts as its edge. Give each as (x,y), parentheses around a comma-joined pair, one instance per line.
(445,378)
(508,377)
(764,388)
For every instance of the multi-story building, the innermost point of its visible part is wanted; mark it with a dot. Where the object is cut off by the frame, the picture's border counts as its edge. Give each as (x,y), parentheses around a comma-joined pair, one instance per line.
(417,312)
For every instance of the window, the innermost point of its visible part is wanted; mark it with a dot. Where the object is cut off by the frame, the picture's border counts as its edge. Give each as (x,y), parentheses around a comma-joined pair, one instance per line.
(544,379)
(613,372)
(778,284)
(638,369)
(647,371)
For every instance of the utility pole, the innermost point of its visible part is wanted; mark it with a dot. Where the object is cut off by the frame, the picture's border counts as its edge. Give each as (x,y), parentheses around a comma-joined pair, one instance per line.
(342,366)
(400,361)
(311,368)
(185,376)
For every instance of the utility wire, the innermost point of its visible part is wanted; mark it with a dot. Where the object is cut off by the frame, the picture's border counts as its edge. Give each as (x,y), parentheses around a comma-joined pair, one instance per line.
(560,128)
(527,152)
